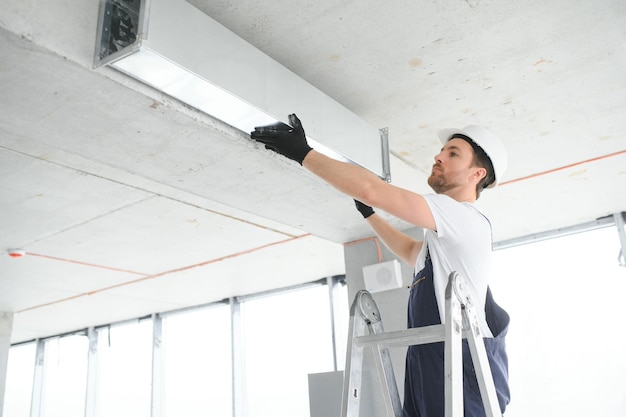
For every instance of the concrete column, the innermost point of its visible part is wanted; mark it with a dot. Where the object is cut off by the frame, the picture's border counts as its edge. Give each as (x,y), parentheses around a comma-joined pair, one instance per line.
(392,305)
(6,326)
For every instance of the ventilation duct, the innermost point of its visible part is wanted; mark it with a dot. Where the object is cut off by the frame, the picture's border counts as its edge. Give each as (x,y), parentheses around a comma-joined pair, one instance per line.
(175,48)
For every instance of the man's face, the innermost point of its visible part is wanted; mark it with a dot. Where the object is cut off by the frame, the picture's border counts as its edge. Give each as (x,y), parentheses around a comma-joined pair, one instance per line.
(453,167)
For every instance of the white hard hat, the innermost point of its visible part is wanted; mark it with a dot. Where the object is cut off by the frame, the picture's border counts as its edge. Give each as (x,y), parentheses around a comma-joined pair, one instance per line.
(491,144)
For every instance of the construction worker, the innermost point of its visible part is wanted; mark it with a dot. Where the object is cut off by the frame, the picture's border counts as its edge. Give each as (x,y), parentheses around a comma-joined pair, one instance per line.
(457,237)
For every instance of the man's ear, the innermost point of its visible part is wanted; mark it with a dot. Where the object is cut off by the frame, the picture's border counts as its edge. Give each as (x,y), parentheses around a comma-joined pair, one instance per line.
(479,173)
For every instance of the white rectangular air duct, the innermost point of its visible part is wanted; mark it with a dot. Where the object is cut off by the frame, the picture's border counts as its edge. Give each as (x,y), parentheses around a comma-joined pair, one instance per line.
(175,48)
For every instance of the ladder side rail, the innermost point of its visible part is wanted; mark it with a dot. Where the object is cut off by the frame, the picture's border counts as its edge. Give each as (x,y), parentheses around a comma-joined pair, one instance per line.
(393,405)
(453,351)
(353,372)
(481,363)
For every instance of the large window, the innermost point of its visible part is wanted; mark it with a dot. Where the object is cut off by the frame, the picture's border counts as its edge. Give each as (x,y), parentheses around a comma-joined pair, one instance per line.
(566,341)
(19,381)
(124,370)
(181,363)
(197,363)
(285,338)
(65,376)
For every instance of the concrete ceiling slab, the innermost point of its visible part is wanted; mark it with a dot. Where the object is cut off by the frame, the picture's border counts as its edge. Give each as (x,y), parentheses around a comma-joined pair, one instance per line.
(103,179)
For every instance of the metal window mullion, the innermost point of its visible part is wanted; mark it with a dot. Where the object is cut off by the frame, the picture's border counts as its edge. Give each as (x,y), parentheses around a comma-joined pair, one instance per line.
(619,223)
(91,391)
(36,402)
(156,402)
(331,282)
(237,360)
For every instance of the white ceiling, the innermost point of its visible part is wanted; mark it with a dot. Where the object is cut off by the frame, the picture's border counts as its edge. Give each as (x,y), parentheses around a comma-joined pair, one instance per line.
(128,202)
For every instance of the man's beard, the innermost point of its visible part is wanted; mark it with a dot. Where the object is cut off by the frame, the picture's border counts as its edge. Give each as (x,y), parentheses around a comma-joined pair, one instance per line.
(436,183)
(440,184)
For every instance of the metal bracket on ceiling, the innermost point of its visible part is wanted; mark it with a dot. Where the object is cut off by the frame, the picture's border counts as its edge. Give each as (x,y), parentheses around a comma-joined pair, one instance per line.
(384,141)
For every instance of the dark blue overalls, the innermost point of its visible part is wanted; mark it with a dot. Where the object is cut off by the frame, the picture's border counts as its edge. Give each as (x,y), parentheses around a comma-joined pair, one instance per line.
(424,378)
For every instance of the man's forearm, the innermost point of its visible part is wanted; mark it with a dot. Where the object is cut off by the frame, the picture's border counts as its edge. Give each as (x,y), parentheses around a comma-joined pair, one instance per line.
(402,245)
(355,181)
(366,187)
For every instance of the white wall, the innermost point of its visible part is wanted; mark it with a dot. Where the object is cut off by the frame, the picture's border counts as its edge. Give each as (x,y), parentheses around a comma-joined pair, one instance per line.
(6,324)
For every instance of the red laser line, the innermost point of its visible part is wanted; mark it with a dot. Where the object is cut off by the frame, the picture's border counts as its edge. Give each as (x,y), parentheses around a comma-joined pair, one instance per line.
(160,274)
(564,167)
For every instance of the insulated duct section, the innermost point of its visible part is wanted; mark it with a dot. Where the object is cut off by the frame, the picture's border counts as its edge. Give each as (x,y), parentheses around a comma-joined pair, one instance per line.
(175,48)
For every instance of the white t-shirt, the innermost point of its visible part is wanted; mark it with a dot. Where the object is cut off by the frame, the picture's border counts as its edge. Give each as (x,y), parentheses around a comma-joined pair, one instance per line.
(462,243)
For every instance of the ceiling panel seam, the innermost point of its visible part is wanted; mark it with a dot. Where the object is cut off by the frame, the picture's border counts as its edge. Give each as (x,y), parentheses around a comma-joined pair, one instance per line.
(161,193)
(87,221)
(73,261)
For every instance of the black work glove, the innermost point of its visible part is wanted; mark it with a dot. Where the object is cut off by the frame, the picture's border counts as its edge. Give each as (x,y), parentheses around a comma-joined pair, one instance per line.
(289,141)
(364,209)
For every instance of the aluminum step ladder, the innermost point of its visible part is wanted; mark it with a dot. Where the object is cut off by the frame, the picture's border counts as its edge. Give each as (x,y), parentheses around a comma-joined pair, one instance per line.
(461,321)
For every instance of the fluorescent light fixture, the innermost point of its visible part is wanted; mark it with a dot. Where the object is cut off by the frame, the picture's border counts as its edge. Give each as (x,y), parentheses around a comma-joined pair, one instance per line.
(175,48)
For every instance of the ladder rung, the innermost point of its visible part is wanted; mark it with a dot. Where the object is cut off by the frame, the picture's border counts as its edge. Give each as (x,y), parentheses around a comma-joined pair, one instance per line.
(415,336)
